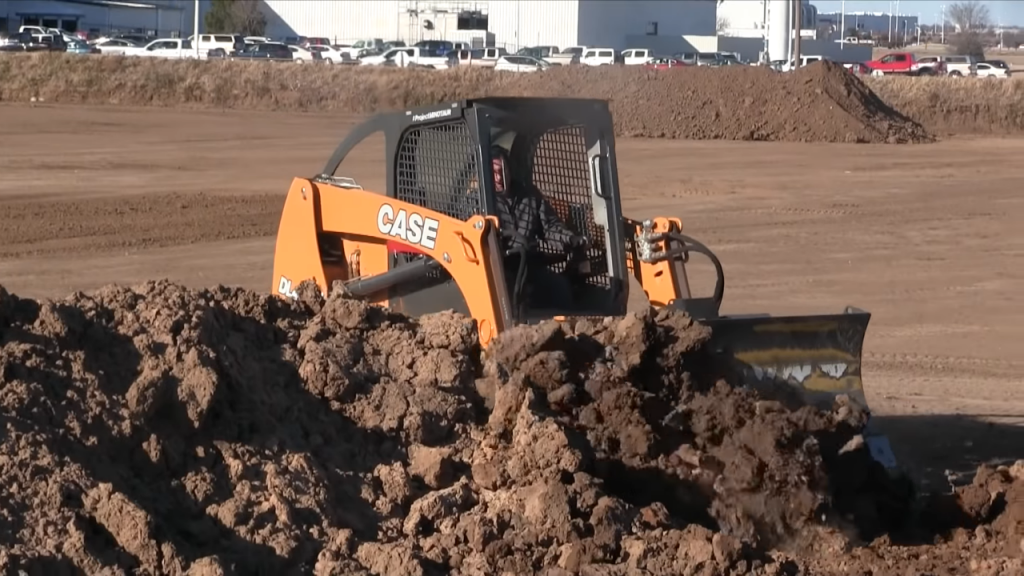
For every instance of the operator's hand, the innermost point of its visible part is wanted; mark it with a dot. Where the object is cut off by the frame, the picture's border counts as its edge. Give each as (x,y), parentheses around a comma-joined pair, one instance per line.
(578,242)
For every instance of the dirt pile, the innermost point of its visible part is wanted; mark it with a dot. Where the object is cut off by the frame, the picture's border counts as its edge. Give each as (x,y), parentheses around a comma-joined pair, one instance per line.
(820,104)
(164,430)
(947,105)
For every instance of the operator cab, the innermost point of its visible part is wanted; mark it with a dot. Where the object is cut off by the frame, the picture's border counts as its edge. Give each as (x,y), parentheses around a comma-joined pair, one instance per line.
(439,157)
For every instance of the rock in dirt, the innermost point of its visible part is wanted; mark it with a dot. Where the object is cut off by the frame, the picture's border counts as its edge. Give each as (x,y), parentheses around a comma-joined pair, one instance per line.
(159,429)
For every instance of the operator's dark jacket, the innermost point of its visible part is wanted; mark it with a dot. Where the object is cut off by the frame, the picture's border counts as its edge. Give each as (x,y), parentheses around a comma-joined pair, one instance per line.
(525,210)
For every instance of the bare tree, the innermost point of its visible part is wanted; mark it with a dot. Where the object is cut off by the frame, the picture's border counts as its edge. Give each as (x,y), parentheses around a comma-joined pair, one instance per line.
(236,17)
(721,24)
(969,16)
(248,17)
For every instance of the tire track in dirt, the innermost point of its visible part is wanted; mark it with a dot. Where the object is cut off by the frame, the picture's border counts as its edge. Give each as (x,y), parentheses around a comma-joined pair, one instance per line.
(131,222)
(941,364)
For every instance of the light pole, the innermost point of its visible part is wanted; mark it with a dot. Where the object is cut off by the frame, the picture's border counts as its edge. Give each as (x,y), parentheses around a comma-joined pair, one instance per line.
(890,22)
(195,30)
(842,26)
(898,19)
(943,22)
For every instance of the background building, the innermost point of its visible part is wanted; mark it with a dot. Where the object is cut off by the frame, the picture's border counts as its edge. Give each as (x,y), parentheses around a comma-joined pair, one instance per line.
(618,24)
(757,29)
(746,18)
(160,17)
(346,21)
(871,23)
(508,23)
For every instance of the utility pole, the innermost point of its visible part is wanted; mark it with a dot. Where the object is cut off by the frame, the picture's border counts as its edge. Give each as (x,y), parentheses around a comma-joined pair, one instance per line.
(842,27)
(797,25)
(890,22)
(195,30)
(943,37)
(898,23)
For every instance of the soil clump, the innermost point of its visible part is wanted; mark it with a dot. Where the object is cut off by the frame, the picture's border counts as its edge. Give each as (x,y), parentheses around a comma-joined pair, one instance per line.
(158,429)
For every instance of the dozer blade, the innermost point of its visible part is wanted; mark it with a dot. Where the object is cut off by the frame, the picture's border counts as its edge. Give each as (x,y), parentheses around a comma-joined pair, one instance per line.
(816,358)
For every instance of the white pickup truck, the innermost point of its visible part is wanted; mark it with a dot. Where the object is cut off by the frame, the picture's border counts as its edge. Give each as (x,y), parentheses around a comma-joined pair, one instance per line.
(599,57)
(406,57)
(362,47)
(636,56)
(486,57)
(173,48)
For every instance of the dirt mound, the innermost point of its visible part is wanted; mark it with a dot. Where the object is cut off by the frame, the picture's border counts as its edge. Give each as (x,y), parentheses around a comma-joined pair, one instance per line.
(947,105)
(820,104)
(165,430)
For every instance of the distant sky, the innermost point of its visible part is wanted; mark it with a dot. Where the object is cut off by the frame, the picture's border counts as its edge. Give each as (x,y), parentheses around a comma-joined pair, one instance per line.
(1010,12)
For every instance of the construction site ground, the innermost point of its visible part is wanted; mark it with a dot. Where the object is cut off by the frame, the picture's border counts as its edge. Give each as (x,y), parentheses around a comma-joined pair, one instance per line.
(925,237)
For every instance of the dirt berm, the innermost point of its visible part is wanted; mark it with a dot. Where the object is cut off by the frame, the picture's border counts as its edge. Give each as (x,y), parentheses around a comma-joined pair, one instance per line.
(161,430)
(822,103)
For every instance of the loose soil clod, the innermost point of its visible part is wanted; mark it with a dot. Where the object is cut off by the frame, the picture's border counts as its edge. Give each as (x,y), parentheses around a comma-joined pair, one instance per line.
(159,429)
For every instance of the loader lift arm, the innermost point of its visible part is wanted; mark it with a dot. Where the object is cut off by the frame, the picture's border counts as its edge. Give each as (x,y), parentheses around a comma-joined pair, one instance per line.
(329,234)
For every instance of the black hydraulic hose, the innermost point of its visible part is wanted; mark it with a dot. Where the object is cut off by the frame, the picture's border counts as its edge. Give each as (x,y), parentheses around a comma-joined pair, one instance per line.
(691,245)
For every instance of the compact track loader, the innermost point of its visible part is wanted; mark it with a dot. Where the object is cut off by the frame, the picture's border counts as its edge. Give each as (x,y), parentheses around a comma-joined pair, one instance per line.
(430,241)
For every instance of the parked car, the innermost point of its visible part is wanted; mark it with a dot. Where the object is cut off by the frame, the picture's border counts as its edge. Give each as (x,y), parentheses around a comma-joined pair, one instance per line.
(365,47)
(28,41)
(227,43)
(568,56)
(486,57)
(329,55)
(599,57)
(174,48)
(435,48)
(903,63)
(520,63)
(115,46)
(636,56)
(997,63)
(930,66)
(664,63)
(81,47)
(858,68)
(269,51)
(986,70)
(961,65)
(407,57)
(301,55)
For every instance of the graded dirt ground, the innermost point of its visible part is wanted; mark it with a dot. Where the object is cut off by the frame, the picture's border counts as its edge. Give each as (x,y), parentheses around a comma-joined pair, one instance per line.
(921,236)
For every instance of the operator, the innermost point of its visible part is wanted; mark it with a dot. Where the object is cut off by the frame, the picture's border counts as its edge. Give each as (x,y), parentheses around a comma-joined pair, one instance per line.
(525,212)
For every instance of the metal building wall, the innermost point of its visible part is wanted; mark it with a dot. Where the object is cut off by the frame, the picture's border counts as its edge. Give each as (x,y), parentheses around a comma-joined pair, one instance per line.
(608,23)
(339,20)
(164,19)
(6,17)
(743,17)
(520,23)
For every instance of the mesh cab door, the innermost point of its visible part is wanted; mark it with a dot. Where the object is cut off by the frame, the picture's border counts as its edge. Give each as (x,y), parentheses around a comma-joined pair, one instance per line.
(436,167)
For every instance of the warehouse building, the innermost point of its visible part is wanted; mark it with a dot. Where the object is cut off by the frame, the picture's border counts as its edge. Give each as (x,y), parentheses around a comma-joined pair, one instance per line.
(749,18)
(158,17)
(870,23)
(615,24)
(509,23)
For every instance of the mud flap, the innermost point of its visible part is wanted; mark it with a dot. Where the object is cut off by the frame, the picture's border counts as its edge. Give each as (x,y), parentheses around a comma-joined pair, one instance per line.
(812,358)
